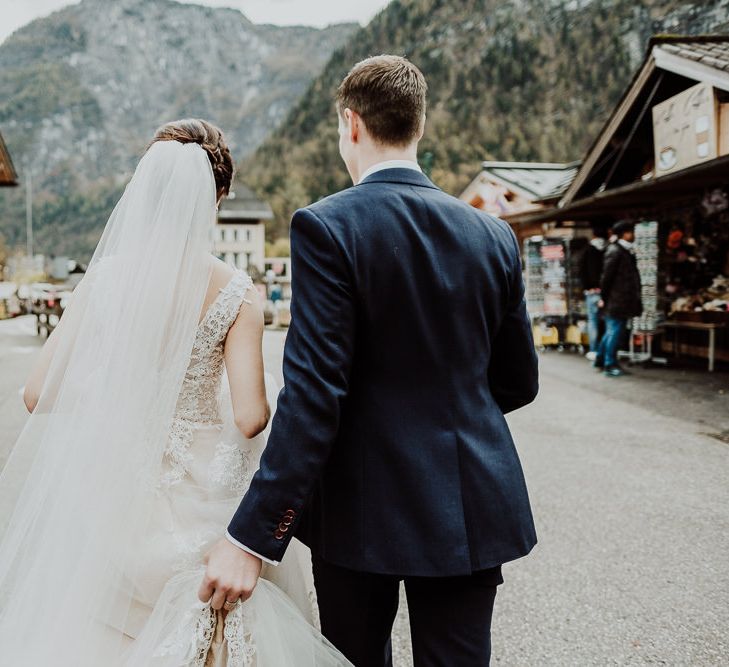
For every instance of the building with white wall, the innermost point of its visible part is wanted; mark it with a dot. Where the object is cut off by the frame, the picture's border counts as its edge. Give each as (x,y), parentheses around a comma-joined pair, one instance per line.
(240,232)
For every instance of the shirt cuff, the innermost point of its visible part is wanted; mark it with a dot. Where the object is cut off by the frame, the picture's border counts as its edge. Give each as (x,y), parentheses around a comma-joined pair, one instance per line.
(231,539)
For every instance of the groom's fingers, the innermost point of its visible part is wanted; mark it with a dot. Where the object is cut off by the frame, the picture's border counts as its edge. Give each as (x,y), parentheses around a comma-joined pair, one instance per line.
(206,590)
(218,598)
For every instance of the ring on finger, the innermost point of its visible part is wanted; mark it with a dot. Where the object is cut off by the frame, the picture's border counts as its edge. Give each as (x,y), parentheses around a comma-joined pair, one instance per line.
(229,606)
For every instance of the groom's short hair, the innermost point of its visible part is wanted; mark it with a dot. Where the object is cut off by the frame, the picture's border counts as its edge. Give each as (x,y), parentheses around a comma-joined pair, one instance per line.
(388,92)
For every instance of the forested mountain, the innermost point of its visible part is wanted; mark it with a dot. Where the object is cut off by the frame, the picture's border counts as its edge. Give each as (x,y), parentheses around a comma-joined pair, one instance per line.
(82,91)
(508,80)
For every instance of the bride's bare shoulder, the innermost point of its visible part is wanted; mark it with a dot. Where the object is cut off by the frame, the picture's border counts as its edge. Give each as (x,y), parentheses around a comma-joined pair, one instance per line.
(221,274)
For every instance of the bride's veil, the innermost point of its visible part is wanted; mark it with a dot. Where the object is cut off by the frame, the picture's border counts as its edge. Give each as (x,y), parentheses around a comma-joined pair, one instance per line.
(96,440)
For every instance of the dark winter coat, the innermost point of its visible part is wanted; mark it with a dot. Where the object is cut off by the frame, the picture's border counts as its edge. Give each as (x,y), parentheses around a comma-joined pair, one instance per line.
(591,266)
(620,284)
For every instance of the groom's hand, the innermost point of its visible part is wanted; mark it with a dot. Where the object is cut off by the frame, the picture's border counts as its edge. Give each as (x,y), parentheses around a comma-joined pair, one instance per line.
(231,575)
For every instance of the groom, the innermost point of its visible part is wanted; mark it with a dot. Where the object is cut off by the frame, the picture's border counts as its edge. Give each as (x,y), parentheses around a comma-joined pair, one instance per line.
(389,454)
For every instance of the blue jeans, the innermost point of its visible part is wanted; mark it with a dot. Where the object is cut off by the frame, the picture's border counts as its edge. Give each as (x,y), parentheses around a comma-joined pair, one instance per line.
(607,352)
(593,320)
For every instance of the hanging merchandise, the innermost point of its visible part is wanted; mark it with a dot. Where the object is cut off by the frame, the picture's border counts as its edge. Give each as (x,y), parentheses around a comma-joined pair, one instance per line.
(553,291)
(533,276)
(554,274)
(646,252)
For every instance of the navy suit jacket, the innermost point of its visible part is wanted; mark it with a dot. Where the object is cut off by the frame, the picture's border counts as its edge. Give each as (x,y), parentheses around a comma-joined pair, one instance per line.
(409,340)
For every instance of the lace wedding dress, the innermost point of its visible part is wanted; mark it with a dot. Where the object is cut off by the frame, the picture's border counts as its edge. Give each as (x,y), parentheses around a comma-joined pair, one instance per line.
(130,465)
(207,468)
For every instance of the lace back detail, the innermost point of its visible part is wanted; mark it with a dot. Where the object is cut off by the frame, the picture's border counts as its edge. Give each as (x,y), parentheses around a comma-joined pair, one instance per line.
(222,312)
(198,403)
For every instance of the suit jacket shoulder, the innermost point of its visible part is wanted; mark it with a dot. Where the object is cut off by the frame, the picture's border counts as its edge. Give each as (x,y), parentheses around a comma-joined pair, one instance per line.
(333,206)
(356,205)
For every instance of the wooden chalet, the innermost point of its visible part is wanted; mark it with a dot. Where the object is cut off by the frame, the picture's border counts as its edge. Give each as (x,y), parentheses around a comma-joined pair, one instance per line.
(618,175)
(662,161)
(505,189)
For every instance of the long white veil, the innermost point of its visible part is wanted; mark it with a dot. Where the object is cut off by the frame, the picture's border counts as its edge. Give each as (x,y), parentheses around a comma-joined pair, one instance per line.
(97,436)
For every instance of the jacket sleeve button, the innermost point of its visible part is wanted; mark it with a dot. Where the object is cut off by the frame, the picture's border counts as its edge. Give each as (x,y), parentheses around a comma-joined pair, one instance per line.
(278,535)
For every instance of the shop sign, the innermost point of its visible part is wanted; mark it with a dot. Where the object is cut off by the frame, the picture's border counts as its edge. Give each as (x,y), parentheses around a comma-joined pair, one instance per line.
(686,129)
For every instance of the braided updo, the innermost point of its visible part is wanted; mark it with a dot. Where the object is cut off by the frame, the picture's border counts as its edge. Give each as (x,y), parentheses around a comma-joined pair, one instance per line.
(210,137)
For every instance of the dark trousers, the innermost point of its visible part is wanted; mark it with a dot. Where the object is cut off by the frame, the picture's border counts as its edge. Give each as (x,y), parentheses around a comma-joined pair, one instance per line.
(450,617)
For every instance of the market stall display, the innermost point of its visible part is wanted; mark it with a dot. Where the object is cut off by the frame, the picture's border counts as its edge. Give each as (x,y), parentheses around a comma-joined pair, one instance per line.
(695,275)
(553,291)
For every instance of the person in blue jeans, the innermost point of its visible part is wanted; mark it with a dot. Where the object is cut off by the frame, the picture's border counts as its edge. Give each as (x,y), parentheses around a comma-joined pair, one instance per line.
(620,291)
(607,353)
(590,275)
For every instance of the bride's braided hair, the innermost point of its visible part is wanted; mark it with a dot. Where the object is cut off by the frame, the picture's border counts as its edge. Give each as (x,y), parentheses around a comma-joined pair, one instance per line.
(210,137)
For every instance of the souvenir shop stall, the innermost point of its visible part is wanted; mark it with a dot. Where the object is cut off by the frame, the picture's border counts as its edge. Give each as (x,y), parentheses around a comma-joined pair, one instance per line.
(662,161)
(683,259)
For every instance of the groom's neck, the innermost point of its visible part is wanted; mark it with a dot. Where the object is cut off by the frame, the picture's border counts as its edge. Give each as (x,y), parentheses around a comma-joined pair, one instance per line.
(384,154)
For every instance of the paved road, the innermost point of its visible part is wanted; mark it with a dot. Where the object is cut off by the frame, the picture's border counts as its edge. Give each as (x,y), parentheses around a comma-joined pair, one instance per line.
(631,501)
(629,480)
(18,348)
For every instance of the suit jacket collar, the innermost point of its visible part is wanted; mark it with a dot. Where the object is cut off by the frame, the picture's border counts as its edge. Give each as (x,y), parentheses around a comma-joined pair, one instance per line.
(399,175)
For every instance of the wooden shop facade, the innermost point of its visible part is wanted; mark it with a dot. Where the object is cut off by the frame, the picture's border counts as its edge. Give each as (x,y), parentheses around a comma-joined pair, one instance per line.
(661,161)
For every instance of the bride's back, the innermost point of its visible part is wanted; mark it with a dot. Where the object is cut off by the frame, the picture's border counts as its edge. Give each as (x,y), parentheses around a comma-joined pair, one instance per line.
(220,276)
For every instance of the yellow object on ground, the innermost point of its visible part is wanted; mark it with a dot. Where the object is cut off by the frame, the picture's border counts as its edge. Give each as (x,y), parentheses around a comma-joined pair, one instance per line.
(544,336)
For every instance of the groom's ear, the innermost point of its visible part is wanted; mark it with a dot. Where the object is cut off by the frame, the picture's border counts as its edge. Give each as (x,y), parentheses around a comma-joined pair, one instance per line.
(353,123)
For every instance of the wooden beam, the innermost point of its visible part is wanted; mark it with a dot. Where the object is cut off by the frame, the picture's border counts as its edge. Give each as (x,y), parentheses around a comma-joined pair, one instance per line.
(609,129)
(638,195)
(691,69)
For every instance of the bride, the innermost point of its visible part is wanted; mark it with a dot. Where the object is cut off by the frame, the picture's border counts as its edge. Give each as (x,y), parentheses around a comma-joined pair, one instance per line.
(138,449)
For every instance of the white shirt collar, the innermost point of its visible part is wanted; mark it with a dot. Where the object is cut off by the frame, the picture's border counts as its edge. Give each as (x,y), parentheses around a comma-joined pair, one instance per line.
(391,164)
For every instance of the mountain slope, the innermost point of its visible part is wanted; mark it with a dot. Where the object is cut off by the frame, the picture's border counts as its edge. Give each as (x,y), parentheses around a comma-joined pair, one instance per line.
(82,91)
(508,79)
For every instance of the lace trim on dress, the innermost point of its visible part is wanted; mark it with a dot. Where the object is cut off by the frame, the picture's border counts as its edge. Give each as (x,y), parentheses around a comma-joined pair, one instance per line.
(193,639)
(189,549)
(238,634)
(198,402)
(231,467)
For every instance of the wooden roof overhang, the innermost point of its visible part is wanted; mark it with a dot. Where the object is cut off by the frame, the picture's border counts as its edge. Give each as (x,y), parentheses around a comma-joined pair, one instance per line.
(609,182)
(616,152)
(639,198)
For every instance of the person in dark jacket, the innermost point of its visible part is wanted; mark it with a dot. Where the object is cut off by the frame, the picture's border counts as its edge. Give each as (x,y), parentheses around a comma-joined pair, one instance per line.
(590,276)
(620,291)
